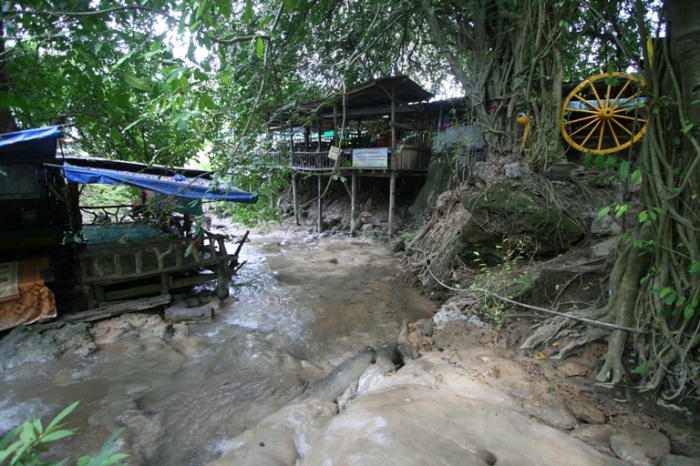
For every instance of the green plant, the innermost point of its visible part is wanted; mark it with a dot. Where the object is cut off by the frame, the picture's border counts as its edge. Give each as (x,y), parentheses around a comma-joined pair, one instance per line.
(23,445)
(498,281)
(400,243)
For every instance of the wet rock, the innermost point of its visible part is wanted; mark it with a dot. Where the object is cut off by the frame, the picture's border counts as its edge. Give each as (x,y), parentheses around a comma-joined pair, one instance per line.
(551,411)
(418,425)
(448,313)
(516,171)
(640,447)
(190,314)
(571,369)
(428,327)
(39,343)
(585,412)
(281,438)
(604,248)
(517,215)
(596,435)
(604,226)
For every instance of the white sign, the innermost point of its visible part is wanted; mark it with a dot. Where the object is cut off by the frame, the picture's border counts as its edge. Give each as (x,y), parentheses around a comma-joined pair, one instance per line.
(334,153)
(370,158)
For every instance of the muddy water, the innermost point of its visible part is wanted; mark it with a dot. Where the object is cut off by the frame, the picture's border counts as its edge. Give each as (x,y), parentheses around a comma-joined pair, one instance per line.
(298,308)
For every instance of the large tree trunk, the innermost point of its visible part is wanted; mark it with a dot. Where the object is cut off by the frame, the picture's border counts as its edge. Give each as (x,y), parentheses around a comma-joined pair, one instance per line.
(668,305)
(7,120)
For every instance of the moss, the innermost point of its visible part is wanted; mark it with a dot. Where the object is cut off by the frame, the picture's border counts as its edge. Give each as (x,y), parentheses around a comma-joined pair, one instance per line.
(505,212)
(500,198)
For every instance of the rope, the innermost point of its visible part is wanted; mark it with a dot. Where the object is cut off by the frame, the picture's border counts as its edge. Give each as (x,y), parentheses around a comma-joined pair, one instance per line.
(527,306)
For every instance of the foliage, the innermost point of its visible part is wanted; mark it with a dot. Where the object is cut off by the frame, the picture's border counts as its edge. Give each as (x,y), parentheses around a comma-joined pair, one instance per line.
(402,241)
(501,280)
(24,444)
(104,195)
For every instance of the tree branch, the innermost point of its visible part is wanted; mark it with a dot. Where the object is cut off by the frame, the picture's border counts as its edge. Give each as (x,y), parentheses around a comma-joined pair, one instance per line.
(107,11)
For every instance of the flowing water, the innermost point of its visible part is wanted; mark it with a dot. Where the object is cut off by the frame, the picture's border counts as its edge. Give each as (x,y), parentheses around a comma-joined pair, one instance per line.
(297,310)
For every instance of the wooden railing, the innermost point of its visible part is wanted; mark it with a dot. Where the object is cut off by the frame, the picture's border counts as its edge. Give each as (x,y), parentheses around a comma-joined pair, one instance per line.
(408,158)
(138,261)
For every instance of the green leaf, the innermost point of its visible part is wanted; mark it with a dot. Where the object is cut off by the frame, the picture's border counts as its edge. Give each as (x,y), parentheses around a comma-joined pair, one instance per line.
(588,160)
(8,438)
(248,13)
(600,162)
(122,60)
(224,8)
(604,211)
(203,5)
(694,267)
(37,426)
(290,5)
(621,210)
(611,162)
(57,435)
(259,47)
(624,169)
(54,423)
(206,102)
(189,249)
(7,451)
(686,129)
(106,455)
(636,176)
(138,83)
(27,435)
(689,312)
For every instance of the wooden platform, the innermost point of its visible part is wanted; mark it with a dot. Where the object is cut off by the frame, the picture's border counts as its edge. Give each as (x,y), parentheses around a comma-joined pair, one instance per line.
(127,269)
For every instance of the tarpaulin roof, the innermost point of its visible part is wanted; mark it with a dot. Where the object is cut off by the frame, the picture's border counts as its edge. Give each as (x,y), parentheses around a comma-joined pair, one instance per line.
(31,145)
(178,185)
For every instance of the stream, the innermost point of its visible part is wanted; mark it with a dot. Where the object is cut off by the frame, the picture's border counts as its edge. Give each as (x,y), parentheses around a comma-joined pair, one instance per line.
(298,308)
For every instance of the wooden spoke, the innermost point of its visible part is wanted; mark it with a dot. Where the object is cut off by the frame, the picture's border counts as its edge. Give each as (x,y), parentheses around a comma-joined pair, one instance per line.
(604,114)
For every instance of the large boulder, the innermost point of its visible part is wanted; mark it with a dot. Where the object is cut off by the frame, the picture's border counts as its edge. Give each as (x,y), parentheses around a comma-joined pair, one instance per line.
(505,217)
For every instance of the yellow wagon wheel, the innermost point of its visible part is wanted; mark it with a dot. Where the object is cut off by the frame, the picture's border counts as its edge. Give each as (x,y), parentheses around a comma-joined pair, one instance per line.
(604,114)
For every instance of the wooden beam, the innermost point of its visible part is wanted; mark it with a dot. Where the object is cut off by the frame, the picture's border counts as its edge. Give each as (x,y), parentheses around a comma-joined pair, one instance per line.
(392,200)
(319,206)
(295,199)
(114,309)
(353,203)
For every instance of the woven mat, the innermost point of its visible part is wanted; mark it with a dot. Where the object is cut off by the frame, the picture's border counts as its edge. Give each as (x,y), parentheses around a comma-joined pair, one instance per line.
(35,301)
(9,284)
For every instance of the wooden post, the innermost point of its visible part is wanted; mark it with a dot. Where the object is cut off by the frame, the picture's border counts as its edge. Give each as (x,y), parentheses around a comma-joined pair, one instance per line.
(320,206)
(393,162)
(392,199)
(353,196)
(336,139)
(294,196)
(223,275)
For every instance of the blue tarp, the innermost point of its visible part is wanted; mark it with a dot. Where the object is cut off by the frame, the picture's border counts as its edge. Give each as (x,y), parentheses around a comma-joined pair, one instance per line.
(32,145)
(178,185)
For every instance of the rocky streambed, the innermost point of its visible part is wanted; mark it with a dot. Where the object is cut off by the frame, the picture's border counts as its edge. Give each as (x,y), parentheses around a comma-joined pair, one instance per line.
(300,367)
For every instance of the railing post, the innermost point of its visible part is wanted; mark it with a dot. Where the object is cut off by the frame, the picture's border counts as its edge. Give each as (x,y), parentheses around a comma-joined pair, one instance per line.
(294,198)
(320,206)
(392,199)
(353,195)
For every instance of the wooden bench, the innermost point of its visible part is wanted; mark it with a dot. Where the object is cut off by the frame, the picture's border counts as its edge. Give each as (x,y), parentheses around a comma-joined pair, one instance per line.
(117,271)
